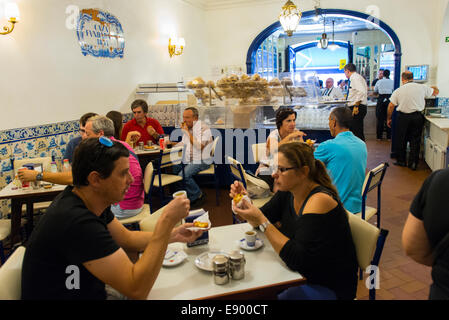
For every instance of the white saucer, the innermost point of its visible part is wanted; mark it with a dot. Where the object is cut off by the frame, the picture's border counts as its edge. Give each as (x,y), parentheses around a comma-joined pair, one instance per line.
(204,260)
(173,258)
(257,245)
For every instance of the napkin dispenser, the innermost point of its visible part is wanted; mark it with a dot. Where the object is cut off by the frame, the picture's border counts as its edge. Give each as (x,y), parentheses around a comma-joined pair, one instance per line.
(204,239)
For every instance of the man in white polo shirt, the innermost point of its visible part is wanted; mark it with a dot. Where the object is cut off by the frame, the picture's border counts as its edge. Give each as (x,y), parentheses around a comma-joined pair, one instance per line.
(332,92)
(410,102)
(357,99)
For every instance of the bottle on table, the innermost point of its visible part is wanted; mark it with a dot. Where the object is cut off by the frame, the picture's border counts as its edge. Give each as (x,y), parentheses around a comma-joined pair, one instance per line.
(66,166)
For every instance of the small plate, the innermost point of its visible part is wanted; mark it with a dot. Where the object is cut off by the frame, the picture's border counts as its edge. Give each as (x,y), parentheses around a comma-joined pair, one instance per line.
(204,260)
(257,245)
(173,258)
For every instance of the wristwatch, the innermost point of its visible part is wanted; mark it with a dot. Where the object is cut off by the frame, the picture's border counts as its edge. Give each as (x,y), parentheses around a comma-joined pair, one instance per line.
(263,226)
(39,177)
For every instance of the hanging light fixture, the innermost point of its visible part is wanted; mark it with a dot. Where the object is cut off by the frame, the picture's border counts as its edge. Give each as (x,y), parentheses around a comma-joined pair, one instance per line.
(316,18)
(333,46)
(289,17)
(324,41)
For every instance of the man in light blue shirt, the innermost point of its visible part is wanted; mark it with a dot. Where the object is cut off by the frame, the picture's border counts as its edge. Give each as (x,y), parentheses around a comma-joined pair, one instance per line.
(345,158)
(384,88)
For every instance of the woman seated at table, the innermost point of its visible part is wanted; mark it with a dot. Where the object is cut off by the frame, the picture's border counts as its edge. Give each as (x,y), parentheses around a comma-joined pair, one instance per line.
(286,132)
(132,137)
(307,226)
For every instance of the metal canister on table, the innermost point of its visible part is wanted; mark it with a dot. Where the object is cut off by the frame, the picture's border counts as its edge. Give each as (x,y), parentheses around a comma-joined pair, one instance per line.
(220,265)
(141,145)
(237,265)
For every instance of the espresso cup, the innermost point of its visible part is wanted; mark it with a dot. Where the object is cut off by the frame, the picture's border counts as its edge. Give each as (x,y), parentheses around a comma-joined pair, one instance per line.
(250,237)
(180,193)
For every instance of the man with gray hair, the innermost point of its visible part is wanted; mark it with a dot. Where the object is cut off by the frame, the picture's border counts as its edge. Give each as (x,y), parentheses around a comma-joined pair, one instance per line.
(345,158)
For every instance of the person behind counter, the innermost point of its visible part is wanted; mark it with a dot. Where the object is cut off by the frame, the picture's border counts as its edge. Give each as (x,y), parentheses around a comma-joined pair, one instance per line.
(148,128)
(79,238)
(286,132)
(410,100)
(332,92)
(307,225)
(384,88)
(357,99)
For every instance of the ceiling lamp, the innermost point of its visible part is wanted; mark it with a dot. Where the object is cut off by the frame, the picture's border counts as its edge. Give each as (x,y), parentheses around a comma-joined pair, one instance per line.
(316,18)
(324,41)
(333,46)
(290,17)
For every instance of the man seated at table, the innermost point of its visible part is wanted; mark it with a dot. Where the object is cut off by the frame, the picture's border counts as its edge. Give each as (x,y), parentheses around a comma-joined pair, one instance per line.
(79,247)
(133,201)
(345,158)
(148,128)
(73,143)
(332,92)
(197,139)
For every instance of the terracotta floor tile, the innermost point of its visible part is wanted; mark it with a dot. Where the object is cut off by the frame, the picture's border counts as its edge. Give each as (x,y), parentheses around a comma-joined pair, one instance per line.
(414,286)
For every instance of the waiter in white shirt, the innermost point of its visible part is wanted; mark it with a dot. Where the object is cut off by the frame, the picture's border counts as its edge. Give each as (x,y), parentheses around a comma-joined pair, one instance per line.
(357,99)
(332,92)
(384,88)
(410,102)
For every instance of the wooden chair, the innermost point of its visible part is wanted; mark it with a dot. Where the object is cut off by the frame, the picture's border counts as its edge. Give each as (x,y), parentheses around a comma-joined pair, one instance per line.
(373,180)
(212,171)
(11,276)
(238,172)
(149,223)
(259,151)
(369,243)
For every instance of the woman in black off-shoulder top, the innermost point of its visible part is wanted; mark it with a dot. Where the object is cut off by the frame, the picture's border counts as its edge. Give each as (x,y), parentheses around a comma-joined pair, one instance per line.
(307,225)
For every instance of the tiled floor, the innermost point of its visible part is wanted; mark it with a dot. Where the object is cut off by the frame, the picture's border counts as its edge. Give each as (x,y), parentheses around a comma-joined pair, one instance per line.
(400,277)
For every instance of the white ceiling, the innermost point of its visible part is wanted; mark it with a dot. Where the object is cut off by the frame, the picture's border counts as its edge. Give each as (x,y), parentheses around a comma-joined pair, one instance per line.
(224,4)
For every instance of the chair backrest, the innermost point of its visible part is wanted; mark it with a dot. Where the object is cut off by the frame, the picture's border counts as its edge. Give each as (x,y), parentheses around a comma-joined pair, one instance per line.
(374,178)
(11,276)
(214,145)
(170,157)
(365,237)
(148,174)
(237,171)
(259,151)
(46,163)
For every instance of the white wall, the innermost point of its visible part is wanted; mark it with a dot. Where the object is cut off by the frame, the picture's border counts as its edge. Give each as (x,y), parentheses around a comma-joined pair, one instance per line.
(416,22)
(443,65)
(44,78)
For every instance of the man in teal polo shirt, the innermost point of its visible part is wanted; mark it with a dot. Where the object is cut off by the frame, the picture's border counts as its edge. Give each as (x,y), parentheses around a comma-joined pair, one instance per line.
(345,159)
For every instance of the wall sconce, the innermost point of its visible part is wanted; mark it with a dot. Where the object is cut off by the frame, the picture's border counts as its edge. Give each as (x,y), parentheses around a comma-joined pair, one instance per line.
(11,12)
(176,46)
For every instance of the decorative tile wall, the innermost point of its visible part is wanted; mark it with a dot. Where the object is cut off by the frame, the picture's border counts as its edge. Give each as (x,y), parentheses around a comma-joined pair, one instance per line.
(444,104)
(48,141)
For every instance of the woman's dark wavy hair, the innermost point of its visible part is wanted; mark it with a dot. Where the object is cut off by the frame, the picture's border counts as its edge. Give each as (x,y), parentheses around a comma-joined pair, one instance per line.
(282,114)
(300,154)
(91,155)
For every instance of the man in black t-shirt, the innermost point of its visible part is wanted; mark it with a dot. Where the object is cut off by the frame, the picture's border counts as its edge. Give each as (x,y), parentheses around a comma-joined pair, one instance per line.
(425,237)
(79,246)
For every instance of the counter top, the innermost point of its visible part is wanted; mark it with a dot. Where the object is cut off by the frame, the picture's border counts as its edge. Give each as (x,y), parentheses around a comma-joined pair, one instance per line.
(442,123)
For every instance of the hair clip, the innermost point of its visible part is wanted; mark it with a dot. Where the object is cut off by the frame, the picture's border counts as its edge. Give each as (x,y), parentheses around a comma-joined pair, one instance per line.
(106,141)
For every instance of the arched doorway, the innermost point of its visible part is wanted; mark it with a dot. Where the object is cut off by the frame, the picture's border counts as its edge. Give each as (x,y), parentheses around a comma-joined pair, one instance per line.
(252,52)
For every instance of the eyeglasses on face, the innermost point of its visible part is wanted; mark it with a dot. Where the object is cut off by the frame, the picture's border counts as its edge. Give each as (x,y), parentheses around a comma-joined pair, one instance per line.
(283,169)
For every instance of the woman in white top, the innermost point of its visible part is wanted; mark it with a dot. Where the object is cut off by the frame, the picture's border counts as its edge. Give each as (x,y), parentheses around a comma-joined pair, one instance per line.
(286,132)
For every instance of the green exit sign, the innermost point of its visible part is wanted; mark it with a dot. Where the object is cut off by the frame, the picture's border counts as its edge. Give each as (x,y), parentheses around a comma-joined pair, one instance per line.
(447,39)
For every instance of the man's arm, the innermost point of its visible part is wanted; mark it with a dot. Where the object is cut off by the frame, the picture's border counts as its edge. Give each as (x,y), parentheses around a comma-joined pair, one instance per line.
(415,241)
(64,178)
(136,280)
(391,107)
